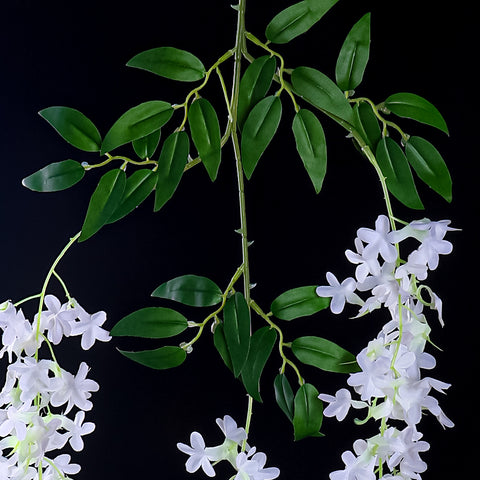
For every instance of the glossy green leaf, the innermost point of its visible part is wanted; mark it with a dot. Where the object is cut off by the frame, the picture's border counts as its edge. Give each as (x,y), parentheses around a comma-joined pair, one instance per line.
(205,130)
(54,177)
(74,127)
(261,345)
(297,19)
(236,322)
(429,166)
(353,57)
(258,131)
(190,290)
(308,413)
(415,107)
(158,359)
(317,89)
(104,201)
(170,62)
(324,354)
(254,85)
(298,302)
(172,161)
(311,145)
(396,170)
(284,395)
(145,147)
(151,322)
(138,187)
(221,345)
(367,125)
(136,123)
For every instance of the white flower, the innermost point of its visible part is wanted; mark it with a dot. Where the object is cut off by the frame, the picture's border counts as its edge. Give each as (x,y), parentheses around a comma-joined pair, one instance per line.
(90,328)
(252,469)
(57,319)
(340,293)
(340,404)
(73,390)
(379,241)
(77,429)
(198,456)
(356,468)
(61,467)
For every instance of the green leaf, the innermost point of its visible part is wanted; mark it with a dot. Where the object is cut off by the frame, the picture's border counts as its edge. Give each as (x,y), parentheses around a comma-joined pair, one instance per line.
(159,359)
(74,127)
(298,302)
(308,413)
(258,131)
(221,345)
(284,395)
(236,322)
(297,19)
(136,123)
(170,62)
(104,201)
(367,124)
(261,345)
(317,89)
(311,146)
(324,354)
(145,147)
(353,57)
(190,290)
(429,166)
(139,186)
(205,130)
(54,177)
(151,322)
(410,105)
(396,170)
(254,85)
(171,164)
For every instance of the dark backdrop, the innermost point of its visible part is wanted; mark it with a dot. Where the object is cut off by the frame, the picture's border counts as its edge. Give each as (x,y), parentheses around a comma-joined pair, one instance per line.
(74,54)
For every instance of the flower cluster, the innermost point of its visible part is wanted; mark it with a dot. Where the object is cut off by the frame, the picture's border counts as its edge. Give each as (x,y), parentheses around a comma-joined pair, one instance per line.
(38,395)
(248,463)
(389,383)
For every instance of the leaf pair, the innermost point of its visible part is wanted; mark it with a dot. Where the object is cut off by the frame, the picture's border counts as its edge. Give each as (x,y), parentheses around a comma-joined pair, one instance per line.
(304,409)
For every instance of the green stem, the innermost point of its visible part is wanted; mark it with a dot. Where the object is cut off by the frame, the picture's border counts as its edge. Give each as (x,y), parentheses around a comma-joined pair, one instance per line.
(47,281)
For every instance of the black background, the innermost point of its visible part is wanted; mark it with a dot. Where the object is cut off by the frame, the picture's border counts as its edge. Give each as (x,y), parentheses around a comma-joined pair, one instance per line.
(74,54)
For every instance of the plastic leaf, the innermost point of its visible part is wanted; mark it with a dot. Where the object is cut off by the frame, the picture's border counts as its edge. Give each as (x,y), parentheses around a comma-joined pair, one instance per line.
(258,131)
(367,124)
(284,395)
(311,146)
(261,345)
(145,147)
(221,345)
(254,85)
(159,359)
(54,177)
(74,127)
(205,131)
(138,187)
(171,164)
(297,19)
(190,290)
(170,62)
(317,89)
(353,57)
(396,170)
(151,322)
(105,199)
(324,354)
(136,123)
(429,166)
(410,105)
(308,413)
(298,302)
(236,322)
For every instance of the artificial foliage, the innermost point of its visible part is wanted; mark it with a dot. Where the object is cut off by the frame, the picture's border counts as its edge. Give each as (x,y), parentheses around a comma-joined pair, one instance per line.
(144,156)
